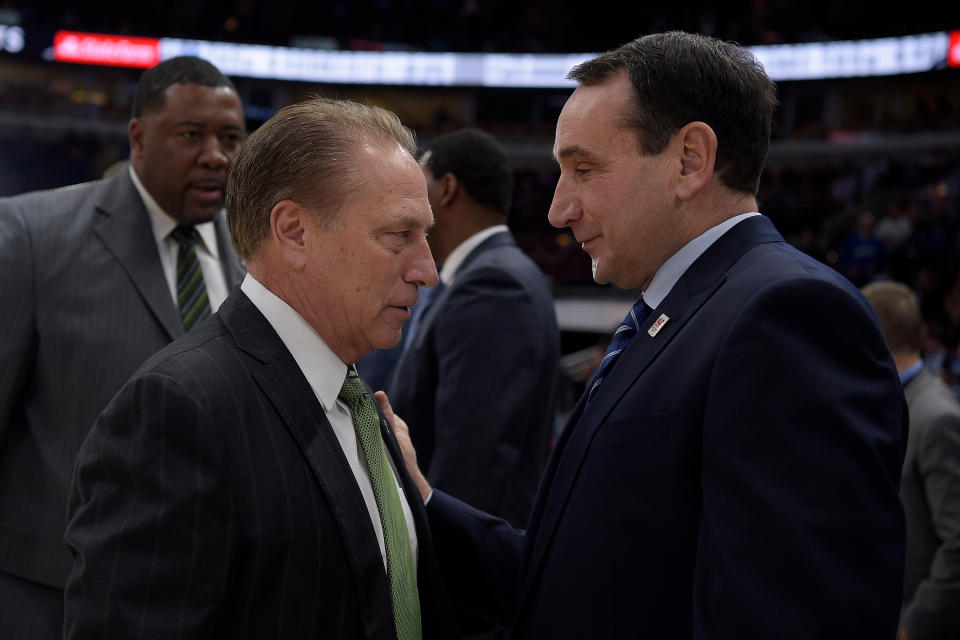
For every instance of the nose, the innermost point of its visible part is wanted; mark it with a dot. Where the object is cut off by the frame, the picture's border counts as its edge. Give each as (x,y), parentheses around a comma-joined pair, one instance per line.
(212,154)
(565,208)
(423,269)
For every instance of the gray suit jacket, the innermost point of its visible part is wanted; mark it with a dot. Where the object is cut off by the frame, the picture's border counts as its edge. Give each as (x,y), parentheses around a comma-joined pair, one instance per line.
(83,303)
(477,381)
(930,491)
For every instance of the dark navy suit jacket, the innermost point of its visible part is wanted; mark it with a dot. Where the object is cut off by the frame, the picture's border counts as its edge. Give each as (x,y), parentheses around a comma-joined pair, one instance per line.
(477,381)
(735,476)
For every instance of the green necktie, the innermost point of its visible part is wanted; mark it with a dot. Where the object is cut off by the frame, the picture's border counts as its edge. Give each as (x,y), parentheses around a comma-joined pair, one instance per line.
(401,573)
(191,290)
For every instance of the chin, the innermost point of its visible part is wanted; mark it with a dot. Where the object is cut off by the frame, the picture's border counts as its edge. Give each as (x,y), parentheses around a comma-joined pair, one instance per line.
(199,216)
(388,341)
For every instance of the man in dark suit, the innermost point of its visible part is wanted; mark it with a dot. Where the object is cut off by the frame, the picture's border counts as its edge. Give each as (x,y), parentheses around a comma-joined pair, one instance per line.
(931,474)
(243,484)
(90,291)
(732,470)
(492,326)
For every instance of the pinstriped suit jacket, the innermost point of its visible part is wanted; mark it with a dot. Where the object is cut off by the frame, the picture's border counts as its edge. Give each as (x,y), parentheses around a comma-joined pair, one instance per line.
(83,303)
(212,499)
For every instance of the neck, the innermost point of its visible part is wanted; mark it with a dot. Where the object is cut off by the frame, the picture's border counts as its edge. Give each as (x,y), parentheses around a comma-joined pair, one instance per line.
(905,359)
(465,223)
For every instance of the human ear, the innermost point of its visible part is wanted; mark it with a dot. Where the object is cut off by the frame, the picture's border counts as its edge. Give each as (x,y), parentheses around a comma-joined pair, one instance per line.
(135,131)
(287,230)
(449,188)
(698,153)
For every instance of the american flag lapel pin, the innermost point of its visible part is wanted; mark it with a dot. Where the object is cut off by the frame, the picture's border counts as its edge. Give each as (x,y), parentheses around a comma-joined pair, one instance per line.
(656,326)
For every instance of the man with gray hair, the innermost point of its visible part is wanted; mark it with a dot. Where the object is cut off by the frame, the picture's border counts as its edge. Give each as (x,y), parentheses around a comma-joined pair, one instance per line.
(930,488)
(243,483)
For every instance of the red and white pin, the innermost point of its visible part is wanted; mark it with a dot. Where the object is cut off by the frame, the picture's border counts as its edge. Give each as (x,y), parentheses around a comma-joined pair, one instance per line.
(656,326)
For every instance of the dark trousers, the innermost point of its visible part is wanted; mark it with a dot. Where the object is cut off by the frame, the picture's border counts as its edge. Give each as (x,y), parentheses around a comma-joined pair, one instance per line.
(29,610)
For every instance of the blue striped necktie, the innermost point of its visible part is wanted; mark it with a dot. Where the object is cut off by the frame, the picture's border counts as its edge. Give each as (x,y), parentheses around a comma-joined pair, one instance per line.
(621,338)
(191,290)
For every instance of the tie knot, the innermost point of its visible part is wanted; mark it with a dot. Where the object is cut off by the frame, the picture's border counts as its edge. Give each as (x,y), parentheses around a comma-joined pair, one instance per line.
(185,235)
(353,389)
(637,314)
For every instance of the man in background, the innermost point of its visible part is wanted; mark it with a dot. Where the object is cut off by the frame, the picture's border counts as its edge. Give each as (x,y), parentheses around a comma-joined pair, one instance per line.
(930,488)
(478,374)
(98,277)
(242,484)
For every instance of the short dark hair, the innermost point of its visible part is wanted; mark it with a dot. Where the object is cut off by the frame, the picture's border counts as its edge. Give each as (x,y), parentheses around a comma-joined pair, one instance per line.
(479,162)
(898,312)
(307,152)
(679,78)
(153,84)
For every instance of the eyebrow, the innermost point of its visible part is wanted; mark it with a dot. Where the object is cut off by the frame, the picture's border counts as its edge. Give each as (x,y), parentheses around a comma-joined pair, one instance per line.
(194,123)
(412,222)
(575,150)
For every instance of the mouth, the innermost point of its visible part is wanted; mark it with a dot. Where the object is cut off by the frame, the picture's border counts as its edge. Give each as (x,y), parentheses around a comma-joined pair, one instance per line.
(207,190)
(584,243)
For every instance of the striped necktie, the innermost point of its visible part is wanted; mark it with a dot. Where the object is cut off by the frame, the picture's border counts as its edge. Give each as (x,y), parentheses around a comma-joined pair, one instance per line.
(401,572)
(191,290)
(621,338)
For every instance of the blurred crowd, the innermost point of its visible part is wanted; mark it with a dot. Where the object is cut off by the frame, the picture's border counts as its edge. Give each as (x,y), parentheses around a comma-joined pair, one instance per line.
(471,25)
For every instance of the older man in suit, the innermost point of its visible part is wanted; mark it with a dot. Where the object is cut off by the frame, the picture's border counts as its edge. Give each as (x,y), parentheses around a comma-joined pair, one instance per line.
(732,470)
(493,321)
(931,474)
(90,291)
(243,484)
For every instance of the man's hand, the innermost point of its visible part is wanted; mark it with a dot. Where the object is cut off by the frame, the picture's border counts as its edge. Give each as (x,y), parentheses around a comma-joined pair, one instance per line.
(406,446)
(904,635)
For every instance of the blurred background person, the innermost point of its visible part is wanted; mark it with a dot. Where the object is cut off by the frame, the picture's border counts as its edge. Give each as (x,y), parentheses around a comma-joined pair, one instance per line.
(478,375)
(99,277)
(930,487)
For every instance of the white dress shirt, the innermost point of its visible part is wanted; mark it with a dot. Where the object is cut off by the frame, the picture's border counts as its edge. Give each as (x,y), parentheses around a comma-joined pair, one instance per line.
(676,265)
(207,252)
(326,372)
(452,264)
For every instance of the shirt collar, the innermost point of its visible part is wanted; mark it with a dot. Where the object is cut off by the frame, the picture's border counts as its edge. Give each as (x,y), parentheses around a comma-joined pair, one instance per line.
(452,264)
(162,224)
(910,372)
(320,365)
(676,265)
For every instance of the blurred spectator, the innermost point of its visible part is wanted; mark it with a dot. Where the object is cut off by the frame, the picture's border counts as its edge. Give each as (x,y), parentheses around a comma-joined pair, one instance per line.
(863,255)
(930,485)
(894,228)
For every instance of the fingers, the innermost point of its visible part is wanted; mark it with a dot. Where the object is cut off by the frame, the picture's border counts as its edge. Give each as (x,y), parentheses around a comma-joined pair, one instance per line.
(384,402)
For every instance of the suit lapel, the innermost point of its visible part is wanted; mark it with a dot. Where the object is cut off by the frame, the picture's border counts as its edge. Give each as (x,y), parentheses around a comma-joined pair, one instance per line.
(290,394)
(124,228)
(704,277)
(497,240)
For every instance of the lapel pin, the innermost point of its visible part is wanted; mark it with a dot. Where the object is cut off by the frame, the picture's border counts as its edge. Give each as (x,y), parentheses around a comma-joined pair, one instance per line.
(656,326)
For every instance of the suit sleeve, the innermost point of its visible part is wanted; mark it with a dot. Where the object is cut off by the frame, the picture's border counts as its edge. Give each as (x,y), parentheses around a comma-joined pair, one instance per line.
(935,606)
(147,515)
(802,532)
(490,362)
(479,556)
(17,324)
